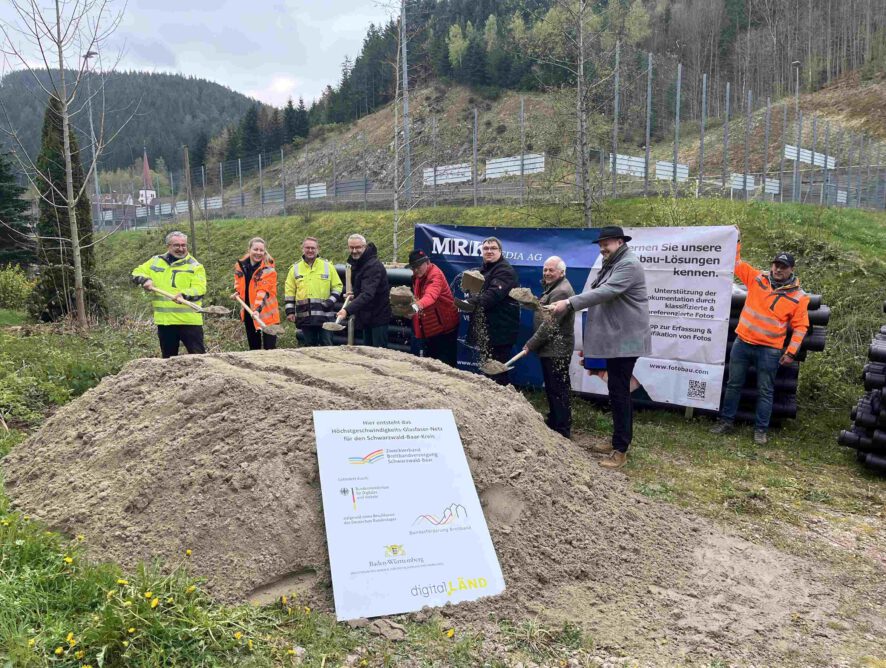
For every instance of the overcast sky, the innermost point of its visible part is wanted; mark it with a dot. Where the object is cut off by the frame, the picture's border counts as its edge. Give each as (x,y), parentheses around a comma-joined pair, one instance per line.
(267,49)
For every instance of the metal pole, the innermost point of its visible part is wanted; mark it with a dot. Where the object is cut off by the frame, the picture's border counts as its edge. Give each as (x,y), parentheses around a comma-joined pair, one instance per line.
(308,177)
(704,119)
(407,159)
(877,176)
(474,163)
(522,148)
(799,120)
(677,124)
(283,179)
(261,186)
(435,158)
(766,146)
(867,176)
(747,143)
(726,138)
(365,176)
(648,125)
(334,170)
(615,113)
(784,148)
(849,173)
(858,171)
(221,186)
(827,157)
(240,177)
(171,192)
(190,200)
(814,147)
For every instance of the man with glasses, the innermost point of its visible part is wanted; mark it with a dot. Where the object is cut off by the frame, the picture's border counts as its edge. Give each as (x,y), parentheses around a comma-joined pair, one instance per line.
(312,290)
(495,316)
(371,303)
(177,272)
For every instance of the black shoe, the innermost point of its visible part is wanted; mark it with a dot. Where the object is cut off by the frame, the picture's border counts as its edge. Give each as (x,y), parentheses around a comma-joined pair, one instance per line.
(722,428)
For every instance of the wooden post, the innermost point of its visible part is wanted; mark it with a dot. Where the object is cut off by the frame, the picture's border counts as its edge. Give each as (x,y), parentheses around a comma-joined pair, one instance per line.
(348,288)
(193,239)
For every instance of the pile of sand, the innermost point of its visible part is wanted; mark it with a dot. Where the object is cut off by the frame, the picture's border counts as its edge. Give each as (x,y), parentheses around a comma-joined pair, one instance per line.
(215,453)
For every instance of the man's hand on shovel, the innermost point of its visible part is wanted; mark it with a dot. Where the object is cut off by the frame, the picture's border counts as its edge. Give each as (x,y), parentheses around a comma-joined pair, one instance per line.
(557,307)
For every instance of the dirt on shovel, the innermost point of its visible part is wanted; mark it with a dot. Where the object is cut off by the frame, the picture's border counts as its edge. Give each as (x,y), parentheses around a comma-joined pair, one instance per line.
(472,281)
(525,298)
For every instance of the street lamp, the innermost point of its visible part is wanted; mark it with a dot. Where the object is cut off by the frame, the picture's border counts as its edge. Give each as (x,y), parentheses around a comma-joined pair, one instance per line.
(797,188)
(98,193)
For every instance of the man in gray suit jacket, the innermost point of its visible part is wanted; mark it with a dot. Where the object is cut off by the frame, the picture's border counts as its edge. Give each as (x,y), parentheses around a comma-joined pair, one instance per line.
(553,341)
(617,330)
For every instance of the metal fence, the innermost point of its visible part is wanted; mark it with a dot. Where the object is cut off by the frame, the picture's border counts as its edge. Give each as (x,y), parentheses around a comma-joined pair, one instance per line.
(746,149)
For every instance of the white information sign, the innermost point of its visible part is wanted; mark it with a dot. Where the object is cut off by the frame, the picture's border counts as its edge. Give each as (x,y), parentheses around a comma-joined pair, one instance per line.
(404,524)
(689,281)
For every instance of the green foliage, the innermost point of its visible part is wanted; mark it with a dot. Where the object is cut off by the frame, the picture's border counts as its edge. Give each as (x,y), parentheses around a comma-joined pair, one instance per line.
(53,296)
(15,287)
(167,111)
(15,242)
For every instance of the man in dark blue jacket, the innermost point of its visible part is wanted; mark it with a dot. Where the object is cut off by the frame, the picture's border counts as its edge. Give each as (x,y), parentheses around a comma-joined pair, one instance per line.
(495,317)
(371,303)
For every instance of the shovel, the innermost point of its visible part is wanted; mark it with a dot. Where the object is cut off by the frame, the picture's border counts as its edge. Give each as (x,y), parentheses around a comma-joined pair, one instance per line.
(462,305)
(494,367)
(336,326)
(271,330)
(211,310)
(525,298)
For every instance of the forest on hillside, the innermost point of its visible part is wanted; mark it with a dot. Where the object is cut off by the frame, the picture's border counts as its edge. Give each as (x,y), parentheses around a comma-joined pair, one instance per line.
(158,111)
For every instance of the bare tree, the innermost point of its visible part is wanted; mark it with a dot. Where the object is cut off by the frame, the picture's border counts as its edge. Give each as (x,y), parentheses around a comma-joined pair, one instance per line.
(58,41)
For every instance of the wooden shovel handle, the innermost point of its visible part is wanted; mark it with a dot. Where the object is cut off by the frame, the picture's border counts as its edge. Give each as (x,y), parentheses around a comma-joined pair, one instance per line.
(259,321)
(516,357)
(347,299)
(171,297)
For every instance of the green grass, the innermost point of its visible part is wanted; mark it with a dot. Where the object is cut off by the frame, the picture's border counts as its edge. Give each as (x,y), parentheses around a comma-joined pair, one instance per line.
(9,317)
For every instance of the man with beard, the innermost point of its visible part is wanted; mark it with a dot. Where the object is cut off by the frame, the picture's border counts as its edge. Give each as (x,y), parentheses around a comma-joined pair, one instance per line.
(371,302)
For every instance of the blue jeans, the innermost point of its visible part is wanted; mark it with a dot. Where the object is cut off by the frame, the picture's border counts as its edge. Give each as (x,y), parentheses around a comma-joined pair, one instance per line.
(765,359)
(376,337)
(316,336)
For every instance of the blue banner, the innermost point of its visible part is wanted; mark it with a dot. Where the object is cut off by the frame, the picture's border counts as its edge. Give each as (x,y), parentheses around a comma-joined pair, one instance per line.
(456,249)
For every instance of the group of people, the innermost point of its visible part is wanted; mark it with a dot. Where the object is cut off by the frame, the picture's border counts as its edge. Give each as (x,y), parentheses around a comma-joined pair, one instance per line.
(616,333)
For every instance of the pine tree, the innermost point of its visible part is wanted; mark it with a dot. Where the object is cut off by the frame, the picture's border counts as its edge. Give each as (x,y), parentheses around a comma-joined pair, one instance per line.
(16,246)
(198,152)
(250,133)
(302,124)
(290,122)
(273,139)
(54,296)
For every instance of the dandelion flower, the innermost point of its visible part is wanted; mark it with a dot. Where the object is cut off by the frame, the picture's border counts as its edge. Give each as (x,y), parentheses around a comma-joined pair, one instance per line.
(191,589)
(131,629)
(32,642)
(26,518)
(238,635)
(450,633)
(148,594)
(155,603)
(122,582)
(80,536)
(79,654)
(284,600)
(249,644)
(59,651)
(127,603)
(69,560)
(290,652)
(125,643)
(307,610)
(187,553)
(169,599)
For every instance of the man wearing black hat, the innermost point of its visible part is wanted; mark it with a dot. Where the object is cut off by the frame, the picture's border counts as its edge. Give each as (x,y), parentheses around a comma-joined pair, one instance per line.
(774,303)
(617,330)
(435,319)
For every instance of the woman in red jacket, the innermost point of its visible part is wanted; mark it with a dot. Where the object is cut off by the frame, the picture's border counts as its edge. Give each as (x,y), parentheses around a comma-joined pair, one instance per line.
(436,319)
(255,282)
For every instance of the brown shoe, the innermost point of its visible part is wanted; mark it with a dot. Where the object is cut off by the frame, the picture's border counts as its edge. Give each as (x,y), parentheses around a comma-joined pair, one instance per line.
(600,447)
(615,460)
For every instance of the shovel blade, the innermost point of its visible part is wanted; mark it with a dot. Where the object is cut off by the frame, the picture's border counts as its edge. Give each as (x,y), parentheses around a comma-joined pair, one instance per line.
(332,327)
(493,367)
(274,330)
(216,310)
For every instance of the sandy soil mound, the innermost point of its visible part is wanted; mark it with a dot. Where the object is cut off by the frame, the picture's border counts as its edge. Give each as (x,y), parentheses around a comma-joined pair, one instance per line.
(215,453)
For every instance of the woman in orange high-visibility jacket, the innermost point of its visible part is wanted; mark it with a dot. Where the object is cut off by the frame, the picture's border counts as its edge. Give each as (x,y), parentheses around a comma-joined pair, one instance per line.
(775,306)
(255,282)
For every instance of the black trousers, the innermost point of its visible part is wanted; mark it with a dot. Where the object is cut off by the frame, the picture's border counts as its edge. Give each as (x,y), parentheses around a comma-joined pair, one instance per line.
(555,372)
(443,347)
(619,371)
(375,337)
(315,335)
(258,339)
(171,335)
(501,354)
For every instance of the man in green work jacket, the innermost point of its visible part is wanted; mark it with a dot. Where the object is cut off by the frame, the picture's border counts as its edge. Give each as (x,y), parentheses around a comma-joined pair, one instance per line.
(178,273)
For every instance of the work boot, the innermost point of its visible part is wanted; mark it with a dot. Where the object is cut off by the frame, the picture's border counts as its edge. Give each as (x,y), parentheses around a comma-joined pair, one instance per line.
(601,448)
(760,438)
(615,460)
(721,427)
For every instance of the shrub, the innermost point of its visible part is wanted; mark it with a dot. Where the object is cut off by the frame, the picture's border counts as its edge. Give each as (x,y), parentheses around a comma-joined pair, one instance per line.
(15,287)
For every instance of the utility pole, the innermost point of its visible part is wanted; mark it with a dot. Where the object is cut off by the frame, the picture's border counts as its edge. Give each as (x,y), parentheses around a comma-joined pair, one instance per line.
(190,201)
(407,158)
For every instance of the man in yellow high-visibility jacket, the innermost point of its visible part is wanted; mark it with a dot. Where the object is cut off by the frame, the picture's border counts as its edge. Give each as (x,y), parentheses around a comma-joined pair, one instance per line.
(179,273)
(311,293)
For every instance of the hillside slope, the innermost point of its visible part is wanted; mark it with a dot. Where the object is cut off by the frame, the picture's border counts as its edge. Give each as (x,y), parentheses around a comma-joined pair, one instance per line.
(167,110)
